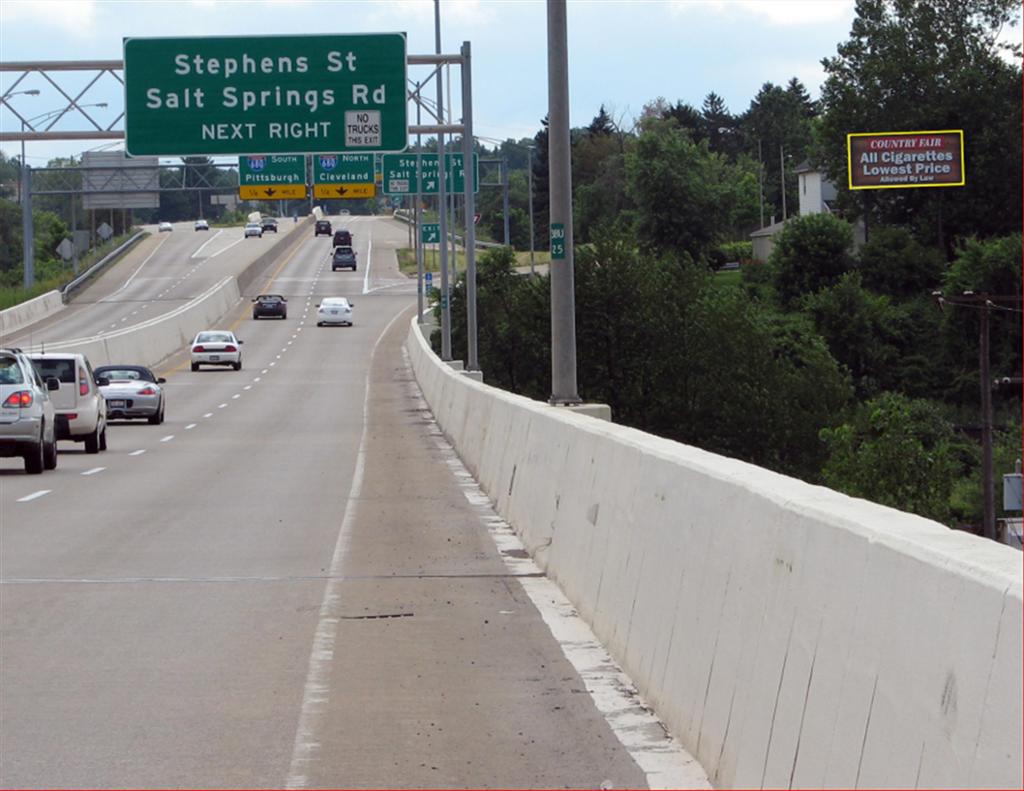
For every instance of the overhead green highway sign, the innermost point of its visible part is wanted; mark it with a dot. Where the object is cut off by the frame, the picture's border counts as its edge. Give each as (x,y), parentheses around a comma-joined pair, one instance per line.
(265,94)
(401,178)
(270,177)
(343,176)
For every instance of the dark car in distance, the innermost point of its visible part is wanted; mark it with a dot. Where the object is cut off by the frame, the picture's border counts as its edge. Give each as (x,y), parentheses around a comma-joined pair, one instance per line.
(342,238)
(322,227)
(343,258)
(269,305)
(269,224)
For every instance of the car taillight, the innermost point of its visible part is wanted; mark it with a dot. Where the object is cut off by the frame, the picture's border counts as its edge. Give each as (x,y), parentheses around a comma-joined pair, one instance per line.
(198,349)
(83,383)
(230,348)
(146,391)
(19,400)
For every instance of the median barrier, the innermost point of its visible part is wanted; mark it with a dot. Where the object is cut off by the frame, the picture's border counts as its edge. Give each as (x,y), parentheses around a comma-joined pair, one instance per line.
(25,313)
(151,341)
(788,635)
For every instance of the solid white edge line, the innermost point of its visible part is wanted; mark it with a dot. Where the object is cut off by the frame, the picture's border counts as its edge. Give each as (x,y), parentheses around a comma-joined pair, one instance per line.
(316,692)
(136,272)
(664,761)
(203,245)
(34,495)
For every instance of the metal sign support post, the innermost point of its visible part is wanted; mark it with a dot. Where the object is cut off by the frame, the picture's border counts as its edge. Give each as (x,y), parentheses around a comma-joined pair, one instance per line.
(469,208)
(27,232)
(419,218)
(504,196)
(446,316)
(529,190)
(563,305)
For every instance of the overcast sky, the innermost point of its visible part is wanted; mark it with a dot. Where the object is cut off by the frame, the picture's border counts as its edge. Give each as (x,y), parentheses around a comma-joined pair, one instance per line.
(622,53)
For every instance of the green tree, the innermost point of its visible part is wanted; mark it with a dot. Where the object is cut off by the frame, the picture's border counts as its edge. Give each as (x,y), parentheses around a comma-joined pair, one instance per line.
(686,197)
(810,253)
(914,65)
(899,452)
(893,262)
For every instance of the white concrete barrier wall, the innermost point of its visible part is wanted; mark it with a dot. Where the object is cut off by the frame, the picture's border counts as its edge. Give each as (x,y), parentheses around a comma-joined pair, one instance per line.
(19,316)
(151,341)
(790,636)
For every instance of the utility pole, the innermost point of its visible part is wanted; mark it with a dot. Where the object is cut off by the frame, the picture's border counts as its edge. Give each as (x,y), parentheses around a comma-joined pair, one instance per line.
(504,196)
(446,316)
(760,182)
(563,300)
(529,198)
(782,171)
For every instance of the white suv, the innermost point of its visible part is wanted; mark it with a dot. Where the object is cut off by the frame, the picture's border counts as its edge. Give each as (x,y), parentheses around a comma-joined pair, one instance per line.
(80,406)
(27,423)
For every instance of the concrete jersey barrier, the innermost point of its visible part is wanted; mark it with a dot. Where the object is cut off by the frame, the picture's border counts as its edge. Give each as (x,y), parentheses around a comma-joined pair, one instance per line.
(788,635)
(19,316)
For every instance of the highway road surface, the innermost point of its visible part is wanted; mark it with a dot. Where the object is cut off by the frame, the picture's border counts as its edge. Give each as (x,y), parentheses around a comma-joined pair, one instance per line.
(286,584)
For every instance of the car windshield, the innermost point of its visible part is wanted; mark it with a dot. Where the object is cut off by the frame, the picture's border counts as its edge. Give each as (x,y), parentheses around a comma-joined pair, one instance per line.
(10,372)
(62,369)
(340,251)
(214,337)
(335,302)
(270,298)
(125,374)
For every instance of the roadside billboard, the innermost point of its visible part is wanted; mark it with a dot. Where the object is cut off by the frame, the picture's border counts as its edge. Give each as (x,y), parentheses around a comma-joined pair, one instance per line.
(896,160)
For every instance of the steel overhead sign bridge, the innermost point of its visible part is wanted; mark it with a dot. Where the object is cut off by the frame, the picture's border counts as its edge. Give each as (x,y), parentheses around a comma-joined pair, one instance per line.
(265,94)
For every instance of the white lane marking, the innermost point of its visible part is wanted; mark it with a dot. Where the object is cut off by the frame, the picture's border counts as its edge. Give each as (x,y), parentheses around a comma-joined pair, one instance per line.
(238,241)
(369,262)
(191,426)
(316,692)
(197,252)
(257,378)
(263,371)
(135,312)
(236,395)
(278,357)
(208,414)
(136,272)
(247,387)
(114,325)
(94,470)
(221,406)
(137,452)
(273,364)
(294,335)
(168,438)
(661,757)
(124,319)
(34,495)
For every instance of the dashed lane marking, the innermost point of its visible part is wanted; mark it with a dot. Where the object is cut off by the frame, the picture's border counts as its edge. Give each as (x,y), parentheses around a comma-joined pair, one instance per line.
(137,452)
(94,470)
(34,495)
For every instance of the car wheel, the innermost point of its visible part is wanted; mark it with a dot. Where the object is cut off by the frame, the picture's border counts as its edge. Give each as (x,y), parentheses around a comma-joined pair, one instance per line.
(237,366)
(158,418)
(254,317)
(92,442)
(195,366)
(319,324)
(50,455)
(284,315)
(34,458)
(103,438)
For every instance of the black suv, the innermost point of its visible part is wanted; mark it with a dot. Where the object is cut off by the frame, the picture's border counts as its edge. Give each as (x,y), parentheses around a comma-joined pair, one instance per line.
(269,305)
(343,258)
(269,224)
(322,227)
(342,238)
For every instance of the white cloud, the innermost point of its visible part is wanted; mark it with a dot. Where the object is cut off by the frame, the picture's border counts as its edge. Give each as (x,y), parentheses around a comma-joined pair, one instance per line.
(784,13)
(77,17)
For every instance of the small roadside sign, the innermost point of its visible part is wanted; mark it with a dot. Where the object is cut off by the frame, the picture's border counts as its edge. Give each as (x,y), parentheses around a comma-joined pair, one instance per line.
(428,280)
(105,231)
(557,241)
(430,233)
(65,249)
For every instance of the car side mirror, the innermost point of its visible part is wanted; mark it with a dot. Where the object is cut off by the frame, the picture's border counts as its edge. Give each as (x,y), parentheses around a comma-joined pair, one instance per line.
(255,300)
(102,381)
(160,380)
(52,383)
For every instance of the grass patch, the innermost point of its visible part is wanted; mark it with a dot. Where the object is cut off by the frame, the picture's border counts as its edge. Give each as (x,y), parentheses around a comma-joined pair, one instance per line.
(15,295)
(730,278)
(432,260)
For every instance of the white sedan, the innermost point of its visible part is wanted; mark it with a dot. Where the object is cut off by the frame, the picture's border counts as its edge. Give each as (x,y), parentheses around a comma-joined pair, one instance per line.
(216,347)
(165,226)
(253,229)
(334,310)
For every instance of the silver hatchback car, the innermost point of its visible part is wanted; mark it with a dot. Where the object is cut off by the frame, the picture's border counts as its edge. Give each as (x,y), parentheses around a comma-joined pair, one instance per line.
(28,426)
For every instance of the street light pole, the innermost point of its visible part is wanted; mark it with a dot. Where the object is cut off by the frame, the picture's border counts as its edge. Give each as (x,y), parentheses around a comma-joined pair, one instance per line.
(563,305)
(446,316)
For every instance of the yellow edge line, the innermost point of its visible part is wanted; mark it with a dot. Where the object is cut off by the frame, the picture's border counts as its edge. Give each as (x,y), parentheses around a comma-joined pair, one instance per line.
(234,325)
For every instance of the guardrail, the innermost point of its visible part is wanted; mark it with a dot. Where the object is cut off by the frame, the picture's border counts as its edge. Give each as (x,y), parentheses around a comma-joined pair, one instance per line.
(113,255)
